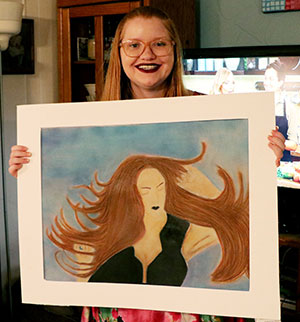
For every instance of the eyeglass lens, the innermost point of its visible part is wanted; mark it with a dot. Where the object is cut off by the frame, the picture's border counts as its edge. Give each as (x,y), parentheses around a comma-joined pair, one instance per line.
(135,48)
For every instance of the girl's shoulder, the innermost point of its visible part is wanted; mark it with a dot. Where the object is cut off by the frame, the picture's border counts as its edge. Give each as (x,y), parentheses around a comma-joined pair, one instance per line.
(194,93)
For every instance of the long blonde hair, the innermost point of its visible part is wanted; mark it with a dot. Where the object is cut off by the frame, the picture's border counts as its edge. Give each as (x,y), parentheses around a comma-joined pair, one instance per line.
(117,85)
(220,78)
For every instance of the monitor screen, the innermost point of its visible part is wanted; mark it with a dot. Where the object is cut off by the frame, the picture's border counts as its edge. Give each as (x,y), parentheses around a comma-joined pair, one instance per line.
(248,65)
(254,69)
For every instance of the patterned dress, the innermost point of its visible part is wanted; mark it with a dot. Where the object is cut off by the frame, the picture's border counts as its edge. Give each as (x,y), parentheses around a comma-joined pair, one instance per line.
(129,315)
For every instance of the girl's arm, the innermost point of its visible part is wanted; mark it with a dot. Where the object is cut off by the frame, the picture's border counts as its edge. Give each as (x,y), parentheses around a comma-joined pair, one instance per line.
(197,239)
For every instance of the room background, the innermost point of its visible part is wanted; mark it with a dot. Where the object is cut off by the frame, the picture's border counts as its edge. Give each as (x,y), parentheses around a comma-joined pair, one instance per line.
(220,23)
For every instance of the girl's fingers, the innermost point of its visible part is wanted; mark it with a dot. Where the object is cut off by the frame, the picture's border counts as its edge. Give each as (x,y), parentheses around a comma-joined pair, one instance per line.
(17,154)
(275,140)
(19,148)
(277,151)
(278,134)
(13,170)
(17,161)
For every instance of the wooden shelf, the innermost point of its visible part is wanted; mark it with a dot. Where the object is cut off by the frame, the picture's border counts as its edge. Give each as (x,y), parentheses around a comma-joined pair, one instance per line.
(287,183)
(291,240)
(83,62)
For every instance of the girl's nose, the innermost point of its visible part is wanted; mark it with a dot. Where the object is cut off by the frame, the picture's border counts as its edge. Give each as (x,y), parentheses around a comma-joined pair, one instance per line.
(148,53)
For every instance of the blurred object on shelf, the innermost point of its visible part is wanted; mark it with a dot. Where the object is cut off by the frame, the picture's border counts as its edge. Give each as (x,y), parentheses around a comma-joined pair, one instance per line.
(91,88)
(91,48)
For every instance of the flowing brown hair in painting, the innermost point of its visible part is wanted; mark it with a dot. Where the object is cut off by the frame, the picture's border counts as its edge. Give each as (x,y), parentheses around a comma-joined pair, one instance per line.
(117,85)
(118,217)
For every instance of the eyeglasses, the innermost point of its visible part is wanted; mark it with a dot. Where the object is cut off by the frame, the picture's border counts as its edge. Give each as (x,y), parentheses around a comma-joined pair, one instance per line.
(135,48)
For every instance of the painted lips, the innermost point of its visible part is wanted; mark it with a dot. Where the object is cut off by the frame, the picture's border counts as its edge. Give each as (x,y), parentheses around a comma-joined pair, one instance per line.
(149,68)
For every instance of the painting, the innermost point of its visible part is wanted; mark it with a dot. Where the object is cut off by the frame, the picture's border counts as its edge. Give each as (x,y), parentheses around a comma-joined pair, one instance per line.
(19,56)
(130,148)
(148,197)
(269,6)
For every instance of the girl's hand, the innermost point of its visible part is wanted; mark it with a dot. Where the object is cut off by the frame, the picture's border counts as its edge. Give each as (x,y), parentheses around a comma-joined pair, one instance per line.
(276,143)
(19,155)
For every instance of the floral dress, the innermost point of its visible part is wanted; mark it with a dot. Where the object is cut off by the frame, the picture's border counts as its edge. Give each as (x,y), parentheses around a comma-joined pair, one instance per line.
(96,314)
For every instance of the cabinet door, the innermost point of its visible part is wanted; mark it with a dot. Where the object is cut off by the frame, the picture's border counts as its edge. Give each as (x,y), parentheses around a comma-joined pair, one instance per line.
(75,26)
(182,12)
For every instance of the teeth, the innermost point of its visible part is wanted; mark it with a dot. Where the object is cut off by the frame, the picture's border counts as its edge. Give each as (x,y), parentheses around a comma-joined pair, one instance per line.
(147,67)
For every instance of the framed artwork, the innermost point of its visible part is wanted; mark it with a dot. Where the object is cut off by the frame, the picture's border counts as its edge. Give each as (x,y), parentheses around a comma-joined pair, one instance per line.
(19,56)
(157,204)
(269,6)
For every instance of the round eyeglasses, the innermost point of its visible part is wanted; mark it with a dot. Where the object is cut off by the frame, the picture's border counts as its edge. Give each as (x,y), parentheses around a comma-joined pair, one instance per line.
(135,48)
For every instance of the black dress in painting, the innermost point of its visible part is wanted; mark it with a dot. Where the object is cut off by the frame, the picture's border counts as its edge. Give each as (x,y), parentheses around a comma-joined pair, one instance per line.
(168,268)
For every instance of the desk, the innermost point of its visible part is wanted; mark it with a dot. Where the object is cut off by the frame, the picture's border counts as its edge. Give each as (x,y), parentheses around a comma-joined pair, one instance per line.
(293,240)
(287,183)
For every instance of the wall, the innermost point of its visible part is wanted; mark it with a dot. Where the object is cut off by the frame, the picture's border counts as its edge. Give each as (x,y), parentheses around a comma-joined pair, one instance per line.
(28,89)
(226,23)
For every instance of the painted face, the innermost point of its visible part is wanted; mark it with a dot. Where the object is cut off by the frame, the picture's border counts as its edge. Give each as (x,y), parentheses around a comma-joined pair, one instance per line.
(271,81)
(148,72)
(152,188)
(228,86)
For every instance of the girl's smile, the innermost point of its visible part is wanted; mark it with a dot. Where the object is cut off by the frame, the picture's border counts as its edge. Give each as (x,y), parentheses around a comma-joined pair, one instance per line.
(148,68)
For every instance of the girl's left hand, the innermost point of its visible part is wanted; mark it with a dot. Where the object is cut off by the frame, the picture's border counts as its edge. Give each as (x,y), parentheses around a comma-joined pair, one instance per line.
(276,143)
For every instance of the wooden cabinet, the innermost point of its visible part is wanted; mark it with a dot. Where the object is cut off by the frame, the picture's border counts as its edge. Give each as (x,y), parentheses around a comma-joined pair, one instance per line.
(80,20)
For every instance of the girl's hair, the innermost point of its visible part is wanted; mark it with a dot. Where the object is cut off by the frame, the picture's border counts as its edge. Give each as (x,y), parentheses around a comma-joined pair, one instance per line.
(118,214)
(117,85)
(220,77)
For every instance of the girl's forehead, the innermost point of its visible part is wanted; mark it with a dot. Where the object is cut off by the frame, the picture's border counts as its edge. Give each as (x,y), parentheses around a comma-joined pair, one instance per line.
(144,29)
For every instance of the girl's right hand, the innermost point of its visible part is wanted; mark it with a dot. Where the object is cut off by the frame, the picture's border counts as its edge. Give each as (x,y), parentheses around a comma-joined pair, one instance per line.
(19,155)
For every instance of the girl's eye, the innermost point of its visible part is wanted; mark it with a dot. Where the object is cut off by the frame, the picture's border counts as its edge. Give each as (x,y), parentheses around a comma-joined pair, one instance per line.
(134,45)
(160,44)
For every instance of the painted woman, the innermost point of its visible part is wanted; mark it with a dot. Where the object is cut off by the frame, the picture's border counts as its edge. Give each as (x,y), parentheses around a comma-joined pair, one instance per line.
(148,226)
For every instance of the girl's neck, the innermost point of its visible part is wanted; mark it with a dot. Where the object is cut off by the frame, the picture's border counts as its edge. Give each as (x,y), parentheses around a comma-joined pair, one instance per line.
(155,223)
(139,93)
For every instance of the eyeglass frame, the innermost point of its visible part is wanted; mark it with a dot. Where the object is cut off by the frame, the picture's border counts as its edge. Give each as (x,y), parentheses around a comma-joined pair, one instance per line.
(146,43)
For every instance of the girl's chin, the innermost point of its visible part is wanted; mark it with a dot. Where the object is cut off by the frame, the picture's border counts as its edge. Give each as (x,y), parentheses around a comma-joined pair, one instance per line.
(150,87)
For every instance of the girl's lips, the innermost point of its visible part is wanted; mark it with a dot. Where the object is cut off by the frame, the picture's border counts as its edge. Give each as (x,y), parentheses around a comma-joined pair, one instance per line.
(148,68)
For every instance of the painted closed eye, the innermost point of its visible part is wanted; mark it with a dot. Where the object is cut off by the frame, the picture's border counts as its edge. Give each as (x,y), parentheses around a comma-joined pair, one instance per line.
(144,191)
(161,186)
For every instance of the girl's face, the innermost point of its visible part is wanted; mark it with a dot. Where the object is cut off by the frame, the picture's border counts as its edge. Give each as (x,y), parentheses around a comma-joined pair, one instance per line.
(227,87)
(151,186)
(271,81)
(147,72)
